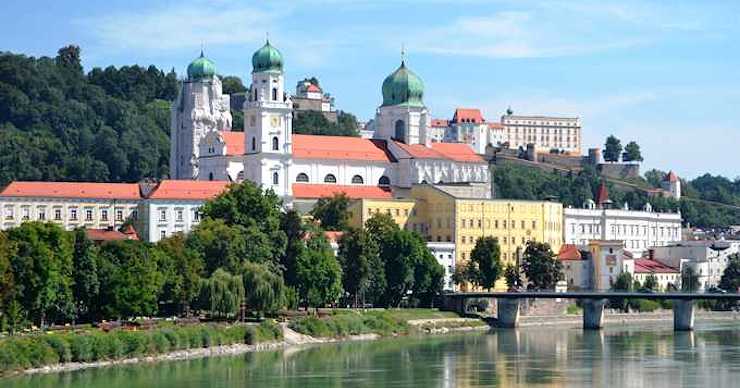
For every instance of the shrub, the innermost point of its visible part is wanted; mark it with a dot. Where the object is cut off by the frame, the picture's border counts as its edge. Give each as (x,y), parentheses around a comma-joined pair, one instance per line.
(61,346)
(81,346)
(134,343)
(106,346)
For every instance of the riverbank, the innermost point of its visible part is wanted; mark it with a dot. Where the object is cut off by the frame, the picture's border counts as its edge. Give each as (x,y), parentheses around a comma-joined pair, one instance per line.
(625,318)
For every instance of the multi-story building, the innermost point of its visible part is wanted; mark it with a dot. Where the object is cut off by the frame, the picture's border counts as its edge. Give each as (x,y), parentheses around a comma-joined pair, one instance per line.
(665,275)
(608,260)
(69,204)
(545,132)
(638,230)
(174,207)
(309,97)
(708,259)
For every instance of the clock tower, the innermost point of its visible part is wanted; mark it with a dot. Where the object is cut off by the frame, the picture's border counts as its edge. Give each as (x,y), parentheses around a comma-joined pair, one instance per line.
(268,116)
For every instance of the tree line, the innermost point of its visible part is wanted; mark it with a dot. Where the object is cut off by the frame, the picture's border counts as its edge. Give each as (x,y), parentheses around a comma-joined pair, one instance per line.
(247,256)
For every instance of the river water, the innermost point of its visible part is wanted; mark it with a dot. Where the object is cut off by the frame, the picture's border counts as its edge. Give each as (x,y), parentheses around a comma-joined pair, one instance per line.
(648,355)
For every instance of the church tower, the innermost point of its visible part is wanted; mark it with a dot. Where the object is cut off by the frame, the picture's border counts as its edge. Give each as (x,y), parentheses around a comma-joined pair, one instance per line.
(268,116)
(403,116)
(200,107)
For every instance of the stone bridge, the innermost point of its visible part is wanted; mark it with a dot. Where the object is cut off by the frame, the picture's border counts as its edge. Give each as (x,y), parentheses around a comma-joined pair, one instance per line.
(593,304)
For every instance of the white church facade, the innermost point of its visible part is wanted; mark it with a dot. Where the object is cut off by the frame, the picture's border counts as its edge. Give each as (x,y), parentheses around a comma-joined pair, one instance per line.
(299,166)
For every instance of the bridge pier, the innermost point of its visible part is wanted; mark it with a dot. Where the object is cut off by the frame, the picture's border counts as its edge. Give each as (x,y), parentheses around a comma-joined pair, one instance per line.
(593,314)
(508,312)
(683,314)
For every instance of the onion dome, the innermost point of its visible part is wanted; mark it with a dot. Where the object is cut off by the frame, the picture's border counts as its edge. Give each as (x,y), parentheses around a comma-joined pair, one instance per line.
(403,87)
(201,67)
(267,58)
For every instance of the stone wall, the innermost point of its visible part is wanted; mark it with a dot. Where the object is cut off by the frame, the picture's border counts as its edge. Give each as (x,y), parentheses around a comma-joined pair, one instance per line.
(619,170)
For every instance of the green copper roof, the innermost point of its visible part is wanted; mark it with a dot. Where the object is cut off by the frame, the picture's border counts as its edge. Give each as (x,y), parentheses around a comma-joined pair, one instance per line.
(201,67)
(267,58)
(403,87)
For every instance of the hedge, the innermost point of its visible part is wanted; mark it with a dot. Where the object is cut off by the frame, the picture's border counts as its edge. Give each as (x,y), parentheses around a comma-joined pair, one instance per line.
(35,351)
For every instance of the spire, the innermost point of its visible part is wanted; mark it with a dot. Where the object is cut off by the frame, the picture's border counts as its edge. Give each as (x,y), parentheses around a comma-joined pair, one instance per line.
(602,195)
(267,37)
(202,46)
(403,55)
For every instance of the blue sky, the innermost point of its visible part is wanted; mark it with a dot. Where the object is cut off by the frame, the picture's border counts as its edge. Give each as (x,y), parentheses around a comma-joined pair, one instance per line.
(665,74)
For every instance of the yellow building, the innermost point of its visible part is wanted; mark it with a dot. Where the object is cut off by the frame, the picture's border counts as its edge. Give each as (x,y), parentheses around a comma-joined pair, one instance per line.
(443,213)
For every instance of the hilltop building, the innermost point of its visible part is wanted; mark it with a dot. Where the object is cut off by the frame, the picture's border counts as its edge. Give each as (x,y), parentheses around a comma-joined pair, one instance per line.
(298,167)
(309,97)
(671,185)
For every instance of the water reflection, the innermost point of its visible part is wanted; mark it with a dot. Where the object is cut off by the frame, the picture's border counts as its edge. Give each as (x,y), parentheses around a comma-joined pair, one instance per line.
(633,356)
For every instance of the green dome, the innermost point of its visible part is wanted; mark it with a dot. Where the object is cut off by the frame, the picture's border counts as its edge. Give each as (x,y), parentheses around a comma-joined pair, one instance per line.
(267,58)
(403,87)
(201,67)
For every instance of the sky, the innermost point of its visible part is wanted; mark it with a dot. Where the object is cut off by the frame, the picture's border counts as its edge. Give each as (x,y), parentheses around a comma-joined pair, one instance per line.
(665,74)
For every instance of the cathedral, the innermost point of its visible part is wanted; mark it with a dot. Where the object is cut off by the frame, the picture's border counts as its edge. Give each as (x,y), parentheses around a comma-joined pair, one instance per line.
(401,153)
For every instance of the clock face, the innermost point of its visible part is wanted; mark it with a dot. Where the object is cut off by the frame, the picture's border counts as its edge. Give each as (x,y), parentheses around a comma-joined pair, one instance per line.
(275,121)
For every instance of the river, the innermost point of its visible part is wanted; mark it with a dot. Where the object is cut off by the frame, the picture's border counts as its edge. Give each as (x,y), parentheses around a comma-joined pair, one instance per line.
(646,355)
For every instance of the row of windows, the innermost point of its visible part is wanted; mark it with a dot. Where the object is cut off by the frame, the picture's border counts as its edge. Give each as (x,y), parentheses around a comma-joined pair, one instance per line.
(73,214)
(503,240)
(331,178)
(179,214)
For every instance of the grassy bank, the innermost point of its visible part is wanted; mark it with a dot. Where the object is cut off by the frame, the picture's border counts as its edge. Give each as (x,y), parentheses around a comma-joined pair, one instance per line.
(342,323)
(40,350)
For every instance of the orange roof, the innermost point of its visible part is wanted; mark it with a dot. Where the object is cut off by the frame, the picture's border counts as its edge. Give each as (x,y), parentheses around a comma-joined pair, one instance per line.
(652,266)
(459,152)
(72,190)
(468,115)
(184,189)
(495,125)
(308,190)
(333,236)
(440,123)
(234,142)
(313,88)
(111,234)
(340,147)
(602,195)
(569,252)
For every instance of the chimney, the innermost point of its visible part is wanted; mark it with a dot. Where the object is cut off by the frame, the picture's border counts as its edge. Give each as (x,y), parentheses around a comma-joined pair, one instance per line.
(651,254)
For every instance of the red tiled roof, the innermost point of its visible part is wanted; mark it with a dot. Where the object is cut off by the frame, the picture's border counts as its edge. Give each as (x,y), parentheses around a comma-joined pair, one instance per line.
(602,195)
(234,142)
(309,190)
(495,125)
(333,236)
(340,147)
(184,189)
(459,152)
(313,88)
(671,177)
(652,266)
(468,115)
(72,190)
(440,123)
(569,252)
(111,234)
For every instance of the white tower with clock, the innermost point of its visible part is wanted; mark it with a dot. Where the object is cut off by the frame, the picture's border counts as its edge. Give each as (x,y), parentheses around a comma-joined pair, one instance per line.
(268,124)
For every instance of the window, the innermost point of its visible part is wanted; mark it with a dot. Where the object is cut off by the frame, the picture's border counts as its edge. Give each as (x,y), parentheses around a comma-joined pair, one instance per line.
(301,178)
(57,214)
(42,213)
(134,214)
(104,214)
(274,143)
(384,181)
(119,215)
(330,178)
(88,214)
(179,215)
(254,142)
(210,176)
(73,214)
(274,94)
(400,130)
(162,233)
(8,213)
(196,215)
(357,180)
(163,214)
(275,178)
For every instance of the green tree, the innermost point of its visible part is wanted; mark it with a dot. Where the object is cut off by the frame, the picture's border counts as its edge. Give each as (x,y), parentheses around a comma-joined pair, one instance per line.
(689,280)
(612,149)
(512,276)
(487,258)
(624,282)
(181,268)
(264,288)
(399,252)
(540,266)
(223,246)
(357,252)
(315,123)
(332,212)
(292,225)
(632,153)
(319,274)
(380,226)
(730,280)
(232,85)
(86,283)
(42,269)
(654,177)
(221,294)
(7,281)
(428,277)
(69,58)
(651,283)
(130,279)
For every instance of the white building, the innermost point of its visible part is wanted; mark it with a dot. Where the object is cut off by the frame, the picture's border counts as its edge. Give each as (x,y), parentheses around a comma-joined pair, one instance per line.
(608,260)
(200,108)
(665,275)
(295,166)
(444,252)
(708,259)
(69,204)
(545,132)
(638,230)
(174,207)
(672,185)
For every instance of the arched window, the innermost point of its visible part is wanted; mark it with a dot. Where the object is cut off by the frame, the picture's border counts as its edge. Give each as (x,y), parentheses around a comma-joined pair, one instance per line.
(330,178)
(255,95)
(424,182)
(210,176)
(357,180)
(275,178)
(254,144)
(240,176)
(384,181)
(301,178)
(274,94)
(275,143)
(400,133)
